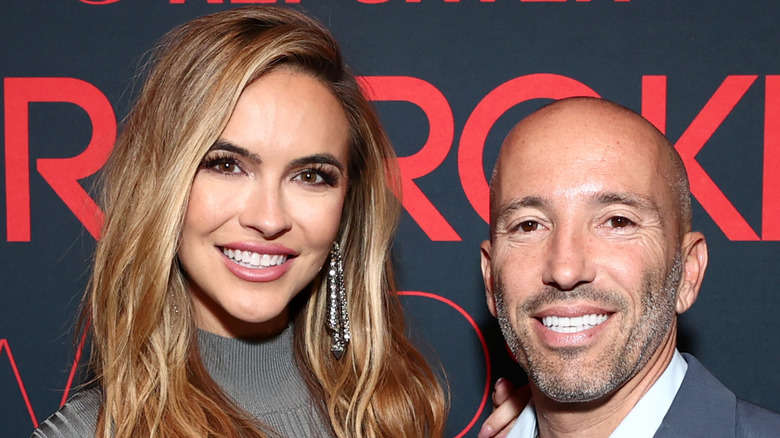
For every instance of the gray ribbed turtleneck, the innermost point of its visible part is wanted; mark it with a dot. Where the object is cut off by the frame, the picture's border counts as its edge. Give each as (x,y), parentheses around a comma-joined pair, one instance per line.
(260,376)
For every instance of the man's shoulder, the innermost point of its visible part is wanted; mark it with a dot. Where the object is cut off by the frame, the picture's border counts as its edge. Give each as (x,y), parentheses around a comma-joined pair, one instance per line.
(703,406)
(755,421)
(75,419)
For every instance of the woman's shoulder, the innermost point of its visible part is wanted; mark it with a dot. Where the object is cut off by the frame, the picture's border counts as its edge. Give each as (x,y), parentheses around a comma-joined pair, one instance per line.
(75,419)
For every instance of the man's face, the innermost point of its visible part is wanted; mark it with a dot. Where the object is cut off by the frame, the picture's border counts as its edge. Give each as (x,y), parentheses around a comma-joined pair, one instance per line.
(585,259)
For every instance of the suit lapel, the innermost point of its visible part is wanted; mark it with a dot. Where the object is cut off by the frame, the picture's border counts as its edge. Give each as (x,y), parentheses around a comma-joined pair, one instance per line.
(703,407)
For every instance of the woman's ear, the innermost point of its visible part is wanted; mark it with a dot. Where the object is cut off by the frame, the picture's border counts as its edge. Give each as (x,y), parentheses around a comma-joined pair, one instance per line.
(694,258)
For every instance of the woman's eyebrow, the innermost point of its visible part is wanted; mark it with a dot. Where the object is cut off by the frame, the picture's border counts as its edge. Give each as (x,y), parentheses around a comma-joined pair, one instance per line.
(223,145)
(324,158)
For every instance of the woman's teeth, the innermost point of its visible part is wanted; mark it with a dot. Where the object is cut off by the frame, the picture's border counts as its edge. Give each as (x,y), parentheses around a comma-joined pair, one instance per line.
(251,259)
(565,324)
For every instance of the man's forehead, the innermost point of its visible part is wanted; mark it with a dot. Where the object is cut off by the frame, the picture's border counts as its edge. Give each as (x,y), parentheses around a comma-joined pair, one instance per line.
(581,146)
(579,166)
(584,120)
(588,197)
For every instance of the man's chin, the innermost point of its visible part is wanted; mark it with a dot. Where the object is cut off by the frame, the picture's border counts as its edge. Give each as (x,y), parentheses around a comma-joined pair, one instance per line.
(565,388)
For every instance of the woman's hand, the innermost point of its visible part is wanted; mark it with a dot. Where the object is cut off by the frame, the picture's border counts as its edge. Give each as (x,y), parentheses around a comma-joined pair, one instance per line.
(508,403)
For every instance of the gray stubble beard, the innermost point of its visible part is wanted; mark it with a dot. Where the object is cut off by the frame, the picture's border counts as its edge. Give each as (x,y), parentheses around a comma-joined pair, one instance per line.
(552,377)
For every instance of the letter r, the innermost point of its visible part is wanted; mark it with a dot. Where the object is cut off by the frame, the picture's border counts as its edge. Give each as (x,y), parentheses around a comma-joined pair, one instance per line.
(432,154)
(62,174)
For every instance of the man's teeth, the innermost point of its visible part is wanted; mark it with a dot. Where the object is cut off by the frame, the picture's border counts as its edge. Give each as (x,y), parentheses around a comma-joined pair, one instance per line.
(251,259)
(565,324)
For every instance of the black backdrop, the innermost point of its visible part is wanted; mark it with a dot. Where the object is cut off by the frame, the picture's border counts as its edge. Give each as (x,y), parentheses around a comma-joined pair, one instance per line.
(449,78)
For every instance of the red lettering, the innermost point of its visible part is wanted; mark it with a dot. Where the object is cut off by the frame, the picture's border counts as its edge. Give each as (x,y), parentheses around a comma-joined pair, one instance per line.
(213,2)
(75,366)
(62,174)
(492,106)
(235,2)
(771,203)
(654,101)
(691,142)
(374,2)
(15,369)
(426,160)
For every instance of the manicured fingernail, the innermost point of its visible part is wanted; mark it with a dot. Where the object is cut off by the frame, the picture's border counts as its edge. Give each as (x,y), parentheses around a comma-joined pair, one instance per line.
(485,432)
(500,381)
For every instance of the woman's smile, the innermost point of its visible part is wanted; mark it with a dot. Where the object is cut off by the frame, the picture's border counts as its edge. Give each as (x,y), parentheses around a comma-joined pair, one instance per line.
(251,259)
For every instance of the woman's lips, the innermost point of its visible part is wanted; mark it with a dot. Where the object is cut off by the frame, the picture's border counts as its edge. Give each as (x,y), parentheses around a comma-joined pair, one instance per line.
(251,259)
(257,263)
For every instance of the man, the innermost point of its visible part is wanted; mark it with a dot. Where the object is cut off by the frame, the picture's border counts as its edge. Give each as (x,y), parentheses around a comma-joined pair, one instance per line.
(590,259)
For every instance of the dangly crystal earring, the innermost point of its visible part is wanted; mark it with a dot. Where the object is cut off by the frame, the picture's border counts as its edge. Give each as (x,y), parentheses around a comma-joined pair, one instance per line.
(338,315)
(175,307)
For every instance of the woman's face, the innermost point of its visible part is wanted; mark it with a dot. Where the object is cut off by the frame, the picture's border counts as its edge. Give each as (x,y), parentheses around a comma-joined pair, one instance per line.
(265,205)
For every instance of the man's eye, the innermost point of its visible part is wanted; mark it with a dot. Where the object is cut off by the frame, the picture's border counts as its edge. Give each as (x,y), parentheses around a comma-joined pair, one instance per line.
(620,222)
(528,226)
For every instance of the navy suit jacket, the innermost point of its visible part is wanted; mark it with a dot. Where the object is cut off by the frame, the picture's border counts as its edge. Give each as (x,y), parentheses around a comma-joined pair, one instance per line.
(704,408)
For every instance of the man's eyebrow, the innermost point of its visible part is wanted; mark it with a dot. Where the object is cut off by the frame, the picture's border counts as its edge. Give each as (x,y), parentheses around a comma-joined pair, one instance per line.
(641,203)
(630,199)
(224,145)
(509,208)
(324,158)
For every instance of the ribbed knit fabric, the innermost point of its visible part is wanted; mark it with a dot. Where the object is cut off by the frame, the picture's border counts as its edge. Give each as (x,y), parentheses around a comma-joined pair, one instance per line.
(263,379)
(76,419)
(260,376)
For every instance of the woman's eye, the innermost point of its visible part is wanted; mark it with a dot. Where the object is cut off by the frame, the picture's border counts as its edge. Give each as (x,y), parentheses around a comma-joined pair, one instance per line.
(310,177)
(620,222)
(223,165)
(227,167)
(317,177)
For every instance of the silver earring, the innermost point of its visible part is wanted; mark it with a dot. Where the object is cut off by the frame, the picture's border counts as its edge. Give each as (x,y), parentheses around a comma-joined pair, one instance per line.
(175,307)
(338,315)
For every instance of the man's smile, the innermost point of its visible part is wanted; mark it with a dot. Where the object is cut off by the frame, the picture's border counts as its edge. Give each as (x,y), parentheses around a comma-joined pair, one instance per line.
(565,324)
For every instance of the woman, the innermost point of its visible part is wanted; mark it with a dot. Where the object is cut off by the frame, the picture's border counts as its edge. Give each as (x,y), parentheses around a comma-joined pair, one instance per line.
(250,162)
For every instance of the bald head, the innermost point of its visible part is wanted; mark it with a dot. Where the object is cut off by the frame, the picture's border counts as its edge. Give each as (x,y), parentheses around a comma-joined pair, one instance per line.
(574,130)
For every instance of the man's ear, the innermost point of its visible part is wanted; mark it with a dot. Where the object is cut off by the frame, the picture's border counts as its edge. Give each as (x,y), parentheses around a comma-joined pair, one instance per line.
(695,257)
(487,275)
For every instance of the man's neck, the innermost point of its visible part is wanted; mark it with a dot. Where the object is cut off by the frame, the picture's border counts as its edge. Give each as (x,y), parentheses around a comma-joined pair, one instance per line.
(599,418)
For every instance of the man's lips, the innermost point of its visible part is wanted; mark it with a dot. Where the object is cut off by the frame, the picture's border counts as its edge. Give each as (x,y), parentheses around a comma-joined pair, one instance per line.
(566,319)
(565,324)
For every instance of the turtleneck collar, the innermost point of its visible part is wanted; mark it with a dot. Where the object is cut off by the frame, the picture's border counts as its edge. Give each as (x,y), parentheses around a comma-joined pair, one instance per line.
(260,375)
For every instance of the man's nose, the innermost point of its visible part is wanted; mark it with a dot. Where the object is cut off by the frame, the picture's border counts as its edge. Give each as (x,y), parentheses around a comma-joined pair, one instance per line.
(266,210)
(569,261)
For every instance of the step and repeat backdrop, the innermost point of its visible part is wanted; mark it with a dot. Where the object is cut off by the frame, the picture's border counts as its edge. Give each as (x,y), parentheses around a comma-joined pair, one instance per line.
(449,79)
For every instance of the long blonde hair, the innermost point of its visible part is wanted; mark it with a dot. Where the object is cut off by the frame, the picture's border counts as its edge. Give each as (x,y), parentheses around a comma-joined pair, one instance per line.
(144,339)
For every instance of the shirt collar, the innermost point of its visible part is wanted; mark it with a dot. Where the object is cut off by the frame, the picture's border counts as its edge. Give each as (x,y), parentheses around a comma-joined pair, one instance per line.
(645,417)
